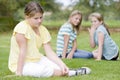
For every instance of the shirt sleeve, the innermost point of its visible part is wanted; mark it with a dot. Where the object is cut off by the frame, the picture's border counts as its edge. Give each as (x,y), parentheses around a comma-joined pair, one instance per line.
(22,29)
(45,35)
(101,29)
(66,29)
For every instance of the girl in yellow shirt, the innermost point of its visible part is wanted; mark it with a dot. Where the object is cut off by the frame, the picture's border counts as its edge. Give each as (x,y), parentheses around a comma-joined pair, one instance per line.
(28,37)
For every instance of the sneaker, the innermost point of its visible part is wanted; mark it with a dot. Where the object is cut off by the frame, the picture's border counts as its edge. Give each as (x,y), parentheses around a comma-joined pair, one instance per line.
(83,70)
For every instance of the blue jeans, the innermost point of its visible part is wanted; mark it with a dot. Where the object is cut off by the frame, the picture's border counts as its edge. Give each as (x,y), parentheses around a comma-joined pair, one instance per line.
(81,54)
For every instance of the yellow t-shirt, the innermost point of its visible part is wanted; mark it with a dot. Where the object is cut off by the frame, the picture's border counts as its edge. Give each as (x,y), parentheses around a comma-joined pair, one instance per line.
(34,42)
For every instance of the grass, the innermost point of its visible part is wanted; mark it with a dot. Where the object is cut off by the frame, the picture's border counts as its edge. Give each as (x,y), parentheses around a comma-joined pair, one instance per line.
(56,24)
(101,70)
(109,23)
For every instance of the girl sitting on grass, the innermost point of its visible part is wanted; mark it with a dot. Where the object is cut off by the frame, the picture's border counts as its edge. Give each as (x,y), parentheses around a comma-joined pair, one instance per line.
(28,37)
(67,38)
(100,36)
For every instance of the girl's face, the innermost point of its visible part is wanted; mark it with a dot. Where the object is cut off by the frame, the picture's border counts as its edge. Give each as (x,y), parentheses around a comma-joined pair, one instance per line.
(75,19)
(95,22)
(36,20)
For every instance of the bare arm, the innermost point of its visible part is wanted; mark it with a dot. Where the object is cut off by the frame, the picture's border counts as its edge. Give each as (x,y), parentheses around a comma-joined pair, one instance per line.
(100,46)
(70,55)
(91,31)
(53,57)
(66,40)
(22,43)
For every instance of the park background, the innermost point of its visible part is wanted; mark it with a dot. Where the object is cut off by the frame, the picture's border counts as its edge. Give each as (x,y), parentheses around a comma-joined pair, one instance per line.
(56,13)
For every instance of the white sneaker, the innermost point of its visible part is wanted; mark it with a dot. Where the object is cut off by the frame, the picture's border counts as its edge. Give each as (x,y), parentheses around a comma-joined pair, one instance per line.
(83,70)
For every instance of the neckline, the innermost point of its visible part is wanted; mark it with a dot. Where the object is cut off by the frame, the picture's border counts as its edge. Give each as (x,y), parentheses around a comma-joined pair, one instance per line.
(32,29)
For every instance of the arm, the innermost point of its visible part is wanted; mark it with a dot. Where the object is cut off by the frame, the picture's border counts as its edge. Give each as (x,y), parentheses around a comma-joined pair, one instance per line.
(92,31)
(22,43)
(70,55)
(53,57)
(100,46)
(66,40)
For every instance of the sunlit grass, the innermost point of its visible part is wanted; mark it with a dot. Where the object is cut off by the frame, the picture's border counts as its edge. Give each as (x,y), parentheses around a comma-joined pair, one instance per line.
(109,23)
(101,70)
(57,24)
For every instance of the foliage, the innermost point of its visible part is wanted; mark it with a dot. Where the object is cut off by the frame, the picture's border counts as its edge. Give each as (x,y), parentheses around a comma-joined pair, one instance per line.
(10,14)
(7,24)
(105,7)
(8,9)
(12,11)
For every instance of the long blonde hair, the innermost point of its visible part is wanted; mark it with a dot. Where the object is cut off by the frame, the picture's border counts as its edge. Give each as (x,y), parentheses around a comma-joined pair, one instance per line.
(100,18)
(76,12)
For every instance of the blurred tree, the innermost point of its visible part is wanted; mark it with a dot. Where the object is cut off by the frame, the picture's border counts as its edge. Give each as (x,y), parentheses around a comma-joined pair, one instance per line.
(116,9)
(9,7)
(12,11)
(6,11)
(49,5)
(105,7)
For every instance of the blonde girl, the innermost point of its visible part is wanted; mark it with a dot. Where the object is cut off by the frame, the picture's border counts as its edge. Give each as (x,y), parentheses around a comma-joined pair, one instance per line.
(67,38)
(100,36)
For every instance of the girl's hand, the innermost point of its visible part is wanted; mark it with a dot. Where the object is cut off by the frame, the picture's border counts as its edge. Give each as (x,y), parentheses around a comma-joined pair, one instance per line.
(91,30)
(69,56)
(18,74)
(64,69)
(63,56)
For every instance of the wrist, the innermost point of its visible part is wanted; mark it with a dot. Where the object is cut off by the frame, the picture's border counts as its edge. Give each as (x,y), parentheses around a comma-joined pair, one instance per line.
(18,74)
(63,55)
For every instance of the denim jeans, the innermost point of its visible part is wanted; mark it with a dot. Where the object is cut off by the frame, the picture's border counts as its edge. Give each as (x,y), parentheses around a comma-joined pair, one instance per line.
(81,54)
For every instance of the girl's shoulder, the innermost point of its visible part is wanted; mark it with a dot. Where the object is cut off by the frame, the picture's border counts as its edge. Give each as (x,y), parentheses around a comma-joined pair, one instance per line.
(23,28)
(101,28)
(67,25)
(21,25)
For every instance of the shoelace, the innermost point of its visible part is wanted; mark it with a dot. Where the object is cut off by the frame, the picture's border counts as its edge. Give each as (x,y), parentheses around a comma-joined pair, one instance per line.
(81,71)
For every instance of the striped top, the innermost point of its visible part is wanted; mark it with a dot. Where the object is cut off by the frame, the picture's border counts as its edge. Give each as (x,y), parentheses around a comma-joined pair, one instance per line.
(65,29)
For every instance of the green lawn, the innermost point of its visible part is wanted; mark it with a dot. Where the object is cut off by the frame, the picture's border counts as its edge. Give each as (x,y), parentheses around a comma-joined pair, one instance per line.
(101,70)
(56,24)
